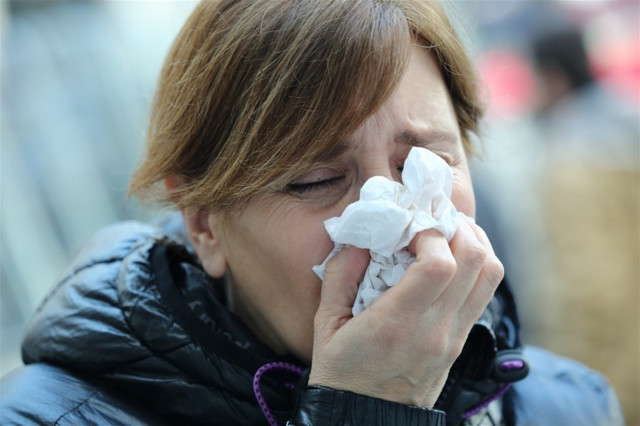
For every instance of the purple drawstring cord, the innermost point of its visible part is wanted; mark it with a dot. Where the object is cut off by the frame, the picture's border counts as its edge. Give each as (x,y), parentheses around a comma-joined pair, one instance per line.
(297,370)
(475,410)
(256,385)
(507,365)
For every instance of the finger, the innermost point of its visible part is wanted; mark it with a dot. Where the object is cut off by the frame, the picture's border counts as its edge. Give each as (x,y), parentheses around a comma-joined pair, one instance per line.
(343,274)
(470,255)
(427,277)
(489,278)
(480,234)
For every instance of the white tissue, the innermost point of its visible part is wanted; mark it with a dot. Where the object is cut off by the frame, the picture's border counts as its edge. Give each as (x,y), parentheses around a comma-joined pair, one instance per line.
(387,217)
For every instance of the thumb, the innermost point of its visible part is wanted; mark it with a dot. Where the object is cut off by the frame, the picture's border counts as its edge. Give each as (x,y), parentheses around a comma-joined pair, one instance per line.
(342,276)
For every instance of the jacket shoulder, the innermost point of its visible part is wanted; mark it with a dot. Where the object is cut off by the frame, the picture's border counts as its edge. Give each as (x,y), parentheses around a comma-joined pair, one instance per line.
(559,390)
(41,394)
(85,305)
(113,243)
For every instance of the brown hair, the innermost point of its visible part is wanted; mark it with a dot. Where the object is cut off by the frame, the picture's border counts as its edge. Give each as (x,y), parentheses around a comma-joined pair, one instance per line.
(253,89)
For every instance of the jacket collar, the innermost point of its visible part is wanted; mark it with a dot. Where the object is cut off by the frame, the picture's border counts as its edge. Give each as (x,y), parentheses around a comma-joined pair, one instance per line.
(490,361)
(475,379)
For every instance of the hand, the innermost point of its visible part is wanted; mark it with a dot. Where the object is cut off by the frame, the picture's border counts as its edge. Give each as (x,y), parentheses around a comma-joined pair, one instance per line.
(402,347)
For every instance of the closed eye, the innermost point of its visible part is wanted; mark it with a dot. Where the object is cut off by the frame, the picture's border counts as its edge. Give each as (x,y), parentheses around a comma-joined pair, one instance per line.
(304,187)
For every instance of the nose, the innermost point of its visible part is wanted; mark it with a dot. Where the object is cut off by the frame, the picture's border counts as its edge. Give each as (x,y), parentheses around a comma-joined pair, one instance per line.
(368,166)
(380,165)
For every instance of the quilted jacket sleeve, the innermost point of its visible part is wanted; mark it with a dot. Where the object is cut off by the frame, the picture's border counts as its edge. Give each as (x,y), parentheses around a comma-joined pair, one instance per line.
(325,406)
(41,394)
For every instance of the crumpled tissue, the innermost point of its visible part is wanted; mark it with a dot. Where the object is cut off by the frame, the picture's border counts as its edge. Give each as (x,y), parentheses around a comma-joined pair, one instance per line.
(387,217)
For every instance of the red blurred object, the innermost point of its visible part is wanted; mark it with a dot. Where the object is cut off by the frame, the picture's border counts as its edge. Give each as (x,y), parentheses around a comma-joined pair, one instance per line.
(616,65)
(509,81)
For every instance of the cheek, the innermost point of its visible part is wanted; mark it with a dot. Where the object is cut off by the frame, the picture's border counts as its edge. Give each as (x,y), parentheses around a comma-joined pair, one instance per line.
(277,247)
(303,240)
(462,194)
(310,249)
(294,241)
(302,244)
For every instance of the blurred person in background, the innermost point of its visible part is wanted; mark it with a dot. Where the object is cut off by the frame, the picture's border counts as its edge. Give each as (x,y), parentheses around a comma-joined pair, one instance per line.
(582,121)
(215,317)
(591,193)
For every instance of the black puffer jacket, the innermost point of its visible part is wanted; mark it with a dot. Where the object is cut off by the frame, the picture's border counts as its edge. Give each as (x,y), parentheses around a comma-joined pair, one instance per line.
(137,333)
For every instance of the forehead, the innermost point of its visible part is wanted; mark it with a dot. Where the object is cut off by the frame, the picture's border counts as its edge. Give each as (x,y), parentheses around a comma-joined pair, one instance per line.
(421,97)
(419,109)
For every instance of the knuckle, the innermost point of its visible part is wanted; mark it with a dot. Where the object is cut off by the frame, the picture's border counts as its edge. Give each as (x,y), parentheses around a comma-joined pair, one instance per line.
(444,346)
(481,232)
(476,254)
(437,343)
(455,349)
(441,265)
(441,339)
(332,267)
(494,271)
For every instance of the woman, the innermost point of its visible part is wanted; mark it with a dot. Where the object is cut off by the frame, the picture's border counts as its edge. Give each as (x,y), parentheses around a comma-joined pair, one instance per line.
(269,117)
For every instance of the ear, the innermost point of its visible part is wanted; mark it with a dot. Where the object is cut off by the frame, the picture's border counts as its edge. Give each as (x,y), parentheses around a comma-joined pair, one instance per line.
(206,238)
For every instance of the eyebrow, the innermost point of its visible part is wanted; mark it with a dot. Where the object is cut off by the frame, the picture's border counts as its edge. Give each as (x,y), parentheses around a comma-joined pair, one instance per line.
(340,148)
(407,137)
(423,139)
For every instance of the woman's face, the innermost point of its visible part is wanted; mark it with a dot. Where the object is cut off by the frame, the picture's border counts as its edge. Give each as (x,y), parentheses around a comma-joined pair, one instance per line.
(270,247)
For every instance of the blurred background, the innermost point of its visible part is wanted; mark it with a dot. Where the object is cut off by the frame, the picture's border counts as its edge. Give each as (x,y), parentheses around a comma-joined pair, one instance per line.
(556,172)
